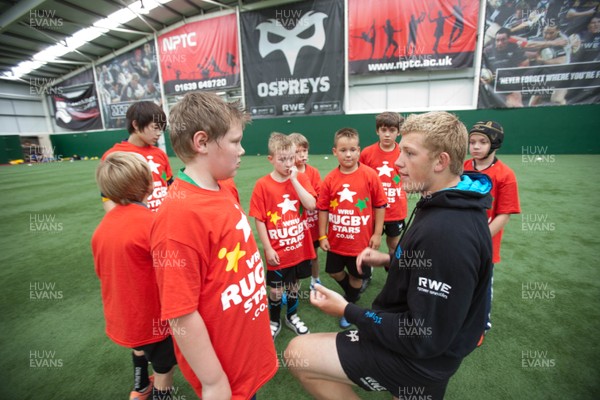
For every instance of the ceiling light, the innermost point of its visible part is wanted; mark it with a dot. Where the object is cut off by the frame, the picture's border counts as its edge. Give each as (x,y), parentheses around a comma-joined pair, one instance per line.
(83,36)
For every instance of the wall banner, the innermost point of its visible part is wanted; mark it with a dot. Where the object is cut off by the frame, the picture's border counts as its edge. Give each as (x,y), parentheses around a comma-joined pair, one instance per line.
(75,104)
(393,36)
(125,79)
(200,55)
(294,59)
(540,53)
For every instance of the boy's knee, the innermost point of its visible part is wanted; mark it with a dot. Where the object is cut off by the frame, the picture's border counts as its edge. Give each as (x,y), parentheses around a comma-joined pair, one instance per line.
(354,281)
(338,276)
(276,294)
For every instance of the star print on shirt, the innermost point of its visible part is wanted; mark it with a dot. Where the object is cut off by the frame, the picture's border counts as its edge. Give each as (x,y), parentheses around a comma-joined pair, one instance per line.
(287,204)
(334,203)
(232,257)
(385,170)
(243,224)
(362,204)
(153,166)
(274,217)
(346,194)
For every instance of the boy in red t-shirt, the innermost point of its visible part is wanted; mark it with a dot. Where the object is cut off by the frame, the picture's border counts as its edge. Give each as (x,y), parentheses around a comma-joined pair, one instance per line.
(209,270)
(485,138)
(312,216)
(277,204)
(351,207)
(382,156)
(123,262)
(145,123)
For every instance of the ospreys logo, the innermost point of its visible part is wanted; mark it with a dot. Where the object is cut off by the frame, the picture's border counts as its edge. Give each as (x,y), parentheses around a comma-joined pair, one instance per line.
(309,31)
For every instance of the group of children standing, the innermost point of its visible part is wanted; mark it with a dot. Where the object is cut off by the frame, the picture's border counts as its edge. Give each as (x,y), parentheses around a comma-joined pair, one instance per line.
(296,213)
(186,285)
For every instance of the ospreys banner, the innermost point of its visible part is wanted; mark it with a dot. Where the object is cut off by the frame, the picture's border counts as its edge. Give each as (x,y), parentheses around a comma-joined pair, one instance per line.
(540,54)
(391,36)
(201,55)
(125,79)
(294,59)
(75,104)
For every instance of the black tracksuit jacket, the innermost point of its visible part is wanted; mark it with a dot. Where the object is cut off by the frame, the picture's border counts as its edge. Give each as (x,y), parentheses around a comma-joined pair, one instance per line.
(431,310)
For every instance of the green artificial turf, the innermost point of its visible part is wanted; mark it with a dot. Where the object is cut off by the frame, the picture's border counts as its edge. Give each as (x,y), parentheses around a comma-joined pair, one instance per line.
(545,310)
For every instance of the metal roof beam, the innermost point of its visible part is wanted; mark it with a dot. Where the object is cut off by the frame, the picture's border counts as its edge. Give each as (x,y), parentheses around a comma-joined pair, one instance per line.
(218,4)
(16,12)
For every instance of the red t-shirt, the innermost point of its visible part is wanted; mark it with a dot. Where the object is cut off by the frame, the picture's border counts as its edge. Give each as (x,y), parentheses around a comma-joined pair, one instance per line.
(505,196)
(350,199)
(384,163)
(207,260)
(312,217)
(123,262)
(229,184)
(159,164)
(278,206)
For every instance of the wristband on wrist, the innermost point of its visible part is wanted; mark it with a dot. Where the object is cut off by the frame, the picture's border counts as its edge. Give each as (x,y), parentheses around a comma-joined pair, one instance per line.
(322,237)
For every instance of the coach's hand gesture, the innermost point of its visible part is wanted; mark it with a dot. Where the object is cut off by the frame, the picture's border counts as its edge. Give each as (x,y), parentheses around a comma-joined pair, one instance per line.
(373,258)
(328,301)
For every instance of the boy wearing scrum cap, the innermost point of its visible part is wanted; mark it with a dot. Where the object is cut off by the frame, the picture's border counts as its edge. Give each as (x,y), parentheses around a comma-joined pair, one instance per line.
(485,138)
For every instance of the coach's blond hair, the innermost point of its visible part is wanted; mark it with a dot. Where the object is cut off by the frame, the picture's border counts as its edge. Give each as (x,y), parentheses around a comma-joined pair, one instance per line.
(442,132)
(202,111)
(279,142)
(124,177)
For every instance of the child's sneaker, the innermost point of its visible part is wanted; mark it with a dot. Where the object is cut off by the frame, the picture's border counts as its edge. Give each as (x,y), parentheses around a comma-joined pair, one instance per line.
(275,329)
(146,394)
(295,324)
(344,324)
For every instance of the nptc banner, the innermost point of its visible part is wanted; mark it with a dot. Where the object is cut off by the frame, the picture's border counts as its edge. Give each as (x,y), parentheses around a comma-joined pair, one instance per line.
(391,35)
(75,104)
(130,77)
(540,53)
(200,55)
(294,59)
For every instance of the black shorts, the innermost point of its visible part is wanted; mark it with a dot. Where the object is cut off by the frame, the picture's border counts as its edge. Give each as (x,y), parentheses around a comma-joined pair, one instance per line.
(304,269)
(375,368)
(336,263)
(393,228)
(286,277)
(160,354)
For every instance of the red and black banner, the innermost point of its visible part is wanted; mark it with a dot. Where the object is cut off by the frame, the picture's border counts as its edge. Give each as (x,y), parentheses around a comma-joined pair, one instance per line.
(200,55)
(539,54)
(125,79)
(75,105)
(294,59)
(391,36)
